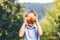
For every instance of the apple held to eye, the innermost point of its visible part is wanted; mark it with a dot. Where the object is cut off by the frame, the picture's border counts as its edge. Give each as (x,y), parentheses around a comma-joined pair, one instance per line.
(31,19)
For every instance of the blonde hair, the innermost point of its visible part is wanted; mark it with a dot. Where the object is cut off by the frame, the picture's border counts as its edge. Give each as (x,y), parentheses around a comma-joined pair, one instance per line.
(31,12)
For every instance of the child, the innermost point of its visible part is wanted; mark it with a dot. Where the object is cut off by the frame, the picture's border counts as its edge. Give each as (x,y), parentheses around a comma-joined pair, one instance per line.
(30,31)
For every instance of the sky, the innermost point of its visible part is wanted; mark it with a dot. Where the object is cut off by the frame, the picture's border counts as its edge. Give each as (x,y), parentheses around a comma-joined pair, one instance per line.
(35,1)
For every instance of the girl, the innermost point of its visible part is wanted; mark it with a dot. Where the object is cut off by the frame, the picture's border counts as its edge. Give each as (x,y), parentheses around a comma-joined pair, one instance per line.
(30,30)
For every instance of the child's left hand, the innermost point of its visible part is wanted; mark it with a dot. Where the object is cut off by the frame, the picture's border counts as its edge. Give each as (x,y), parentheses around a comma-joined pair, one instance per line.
(36,19)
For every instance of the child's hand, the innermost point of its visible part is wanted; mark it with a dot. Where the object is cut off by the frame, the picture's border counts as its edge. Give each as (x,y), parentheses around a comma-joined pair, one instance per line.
(36,19)
(25,20)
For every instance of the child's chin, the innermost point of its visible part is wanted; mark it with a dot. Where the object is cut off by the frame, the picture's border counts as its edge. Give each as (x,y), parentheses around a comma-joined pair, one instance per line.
(30,25)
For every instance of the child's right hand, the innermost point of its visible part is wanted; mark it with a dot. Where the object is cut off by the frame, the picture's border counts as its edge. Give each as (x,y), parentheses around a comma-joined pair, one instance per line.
(25,20)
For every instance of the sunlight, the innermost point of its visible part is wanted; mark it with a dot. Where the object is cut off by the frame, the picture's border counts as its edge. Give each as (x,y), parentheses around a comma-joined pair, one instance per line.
(35,1)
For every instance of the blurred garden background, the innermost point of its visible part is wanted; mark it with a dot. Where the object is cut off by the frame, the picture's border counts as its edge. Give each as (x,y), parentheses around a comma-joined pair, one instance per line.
(11,19)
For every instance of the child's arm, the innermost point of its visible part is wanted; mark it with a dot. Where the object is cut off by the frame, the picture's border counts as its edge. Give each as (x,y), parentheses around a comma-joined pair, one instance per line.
(40,32)
(21,31)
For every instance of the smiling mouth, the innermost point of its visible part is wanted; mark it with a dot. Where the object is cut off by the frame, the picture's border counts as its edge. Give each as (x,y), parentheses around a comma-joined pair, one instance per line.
(31,23)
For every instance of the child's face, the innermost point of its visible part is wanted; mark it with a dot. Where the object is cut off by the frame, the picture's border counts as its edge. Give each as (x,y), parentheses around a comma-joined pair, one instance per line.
(30,15)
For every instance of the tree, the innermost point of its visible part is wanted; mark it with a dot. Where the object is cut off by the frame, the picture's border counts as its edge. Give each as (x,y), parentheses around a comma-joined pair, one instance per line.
(51,22)
(10,19)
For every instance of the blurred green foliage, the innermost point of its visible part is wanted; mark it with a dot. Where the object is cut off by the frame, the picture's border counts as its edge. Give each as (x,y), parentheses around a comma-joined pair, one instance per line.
(51,22)
(10,19)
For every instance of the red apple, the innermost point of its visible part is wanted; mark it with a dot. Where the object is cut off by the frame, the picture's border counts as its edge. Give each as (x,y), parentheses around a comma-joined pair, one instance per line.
(28,20)
(31,19)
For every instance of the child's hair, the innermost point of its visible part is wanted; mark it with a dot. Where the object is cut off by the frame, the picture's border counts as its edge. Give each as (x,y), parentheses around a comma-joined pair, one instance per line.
(31,12)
